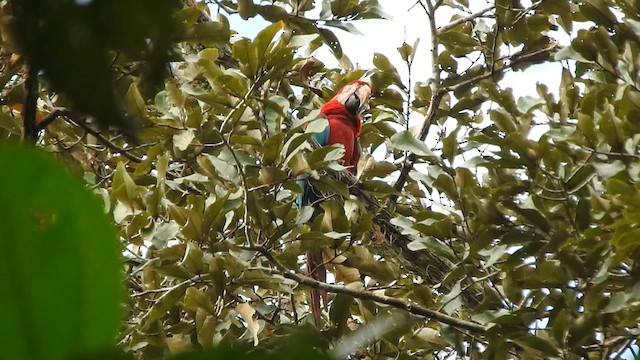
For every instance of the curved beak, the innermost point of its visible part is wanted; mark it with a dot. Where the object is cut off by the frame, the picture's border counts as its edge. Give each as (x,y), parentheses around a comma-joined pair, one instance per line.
(355,97)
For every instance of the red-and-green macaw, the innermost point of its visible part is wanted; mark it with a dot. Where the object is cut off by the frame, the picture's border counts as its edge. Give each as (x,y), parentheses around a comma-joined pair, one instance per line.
(343,113)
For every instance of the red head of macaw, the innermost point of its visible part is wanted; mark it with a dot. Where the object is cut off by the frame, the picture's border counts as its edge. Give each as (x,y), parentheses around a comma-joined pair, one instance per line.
(343,112)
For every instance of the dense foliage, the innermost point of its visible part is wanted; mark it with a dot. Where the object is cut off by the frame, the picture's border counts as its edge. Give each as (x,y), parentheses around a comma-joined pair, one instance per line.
(498,227)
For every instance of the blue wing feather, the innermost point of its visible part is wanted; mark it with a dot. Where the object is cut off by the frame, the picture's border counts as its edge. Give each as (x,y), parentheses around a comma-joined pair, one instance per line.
(322,137)
(308,196)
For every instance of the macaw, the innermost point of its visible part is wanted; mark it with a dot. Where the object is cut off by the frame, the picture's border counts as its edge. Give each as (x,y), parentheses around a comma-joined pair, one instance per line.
(343,114)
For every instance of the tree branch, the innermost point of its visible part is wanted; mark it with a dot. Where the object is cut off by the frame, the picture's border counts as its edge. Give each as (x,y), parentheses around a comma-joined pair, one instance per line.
(436,97)
(516,59)
(434,104)
(50,118)
(368,295)
(68,116)
(463,20)
(108,142)
(30,100)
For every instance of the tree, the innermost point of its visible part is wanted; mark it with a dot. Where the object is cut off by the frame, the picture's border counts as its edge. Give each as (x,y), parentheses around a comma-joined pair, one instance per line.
(511,235)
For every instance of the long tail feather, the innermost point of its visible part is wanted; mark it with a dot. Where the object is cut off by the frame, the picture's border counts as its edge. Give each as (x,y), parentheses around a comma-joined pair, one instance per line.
(317,271)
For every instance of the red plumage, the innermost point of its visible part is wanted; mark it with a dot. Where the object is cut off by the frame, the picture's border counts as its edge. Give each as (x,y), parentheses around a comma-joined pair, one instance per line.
(344,127)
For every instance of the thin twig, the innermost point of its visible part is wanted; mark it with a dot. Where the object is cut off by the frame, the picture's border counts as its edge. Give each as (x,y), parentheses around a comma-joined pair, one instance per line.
(436,96)
(68,116)
(520,59)
(108,143)
(50,118)
(29,108)
(368,295)
(463,20)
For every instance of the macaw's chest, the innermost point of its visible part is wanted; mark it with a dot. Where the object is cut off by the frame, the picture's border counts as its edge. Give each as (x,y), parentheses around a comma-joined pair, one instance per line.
(343,133)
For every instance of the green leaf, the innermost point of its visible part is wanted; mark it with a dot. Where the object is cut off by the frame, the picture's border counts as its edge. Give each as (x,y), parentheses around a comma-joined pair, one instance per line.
(345,26)
(450,145)
(61,264)
(599,12)
(452,301)
(518,33)
(531,215)
(538,343)
(426,338)
(247,9)
(298,164)
(608,170)
(124,189)
(223,168)
(195,299)
(211,32)
(272,148)
(405,141)
(458,39)
(430,243)
(503,120)
(263,40)
(339,312)
(134,102)
(331,186)
(163,304)
(272,13)
(379,186)
(329,38)
(175,95)
(563,10)
(319,158)
(618,302)
(245,51)
(408,52)
(303,40)
(382,62)
(184,139)
(581,177)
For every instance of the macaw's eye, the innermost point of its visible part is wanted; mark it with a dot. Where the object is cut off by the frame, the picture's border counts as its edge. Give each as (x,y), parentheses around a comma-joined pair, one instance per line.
(353,104)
